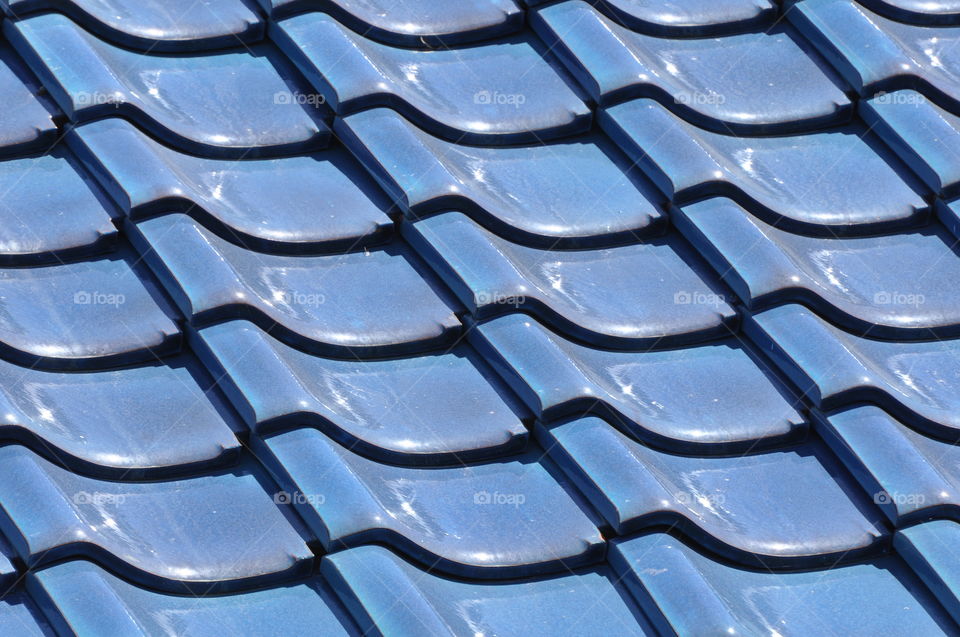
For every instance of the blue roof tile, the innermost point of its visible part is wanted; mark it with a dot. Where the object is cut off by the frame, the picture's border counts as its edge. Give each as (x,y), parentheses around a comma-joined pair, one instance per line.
(320,303)
(573,193)
(199,535)
(838,276)
(154,25)
(753,81)
(766,509)
(868,598)
(943,12)
(414,23)
(372,406)
(687,17)
(781,178)
(232,104)
(502,519)
(403,600)
(291,204)
(717,394)
(494,93)
(914,379)
(928,548)
(87,600)
(623,296)
(125,422)
(27,121)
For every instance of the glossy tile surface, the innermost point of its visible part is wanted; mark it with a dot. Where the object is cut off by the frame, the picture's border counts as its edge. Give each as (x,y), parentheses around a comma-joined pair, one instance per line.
(759,81)
(317,302)
(403,600)
(687,17)
(577,192)
(369,405)
(838,276)
(209,536)
(27,121)
(231,104)
(155,25)
(618,297)
(92,601)
(782,178)
(485,521)
(490,94)
(291,204)
(712,394)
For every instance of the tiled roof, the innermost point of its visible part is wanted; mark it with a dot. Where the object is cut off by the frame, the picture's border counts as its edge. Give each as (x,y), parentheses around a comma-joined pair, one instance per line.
(481,317)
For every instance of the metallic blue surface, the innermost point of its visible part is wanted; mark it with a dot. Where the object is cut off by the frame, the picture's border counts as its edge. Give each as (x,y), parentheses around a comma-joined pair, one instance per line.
(94,602)
(230,104)
(781,178)
(321,303)
(402,600)
(369,405)
(753,81)
(572,193)
(481,521)
(491,94)
(714,394)
(617,297)
(306,203)
(208,537)
(687,17)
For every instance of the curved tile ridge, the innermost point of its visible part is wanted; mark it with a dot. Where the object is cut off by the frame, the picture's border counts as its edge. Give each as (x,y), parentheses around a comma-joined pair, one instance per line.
(877,597)
(506,519)
(929,549)
(924,136)
(129,423)
(50,211)
(678,18)
(625,296)
(231,104)
(936,12)
(917,381)
(897,286)
(199,535)
(27,122)
(781,179)
(153,24)
(496,93)
(82,598)
(291,204)
(405,601)
(413,23)
(687,399)
(752,83)
(87,314)
(910,476)
(322,304)
(803,516)
(375,407)
(574,193)
(874,53)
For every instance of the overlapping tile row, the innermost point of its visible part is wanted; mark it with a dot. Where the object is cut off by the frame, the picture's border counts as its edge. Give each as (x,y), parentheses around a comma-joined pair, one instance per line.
(374,317)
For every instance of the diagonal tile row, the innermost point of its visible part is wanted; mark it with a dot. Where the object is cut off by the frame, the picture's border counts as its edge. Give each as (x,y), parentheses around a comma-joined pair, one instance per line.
(636,326)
